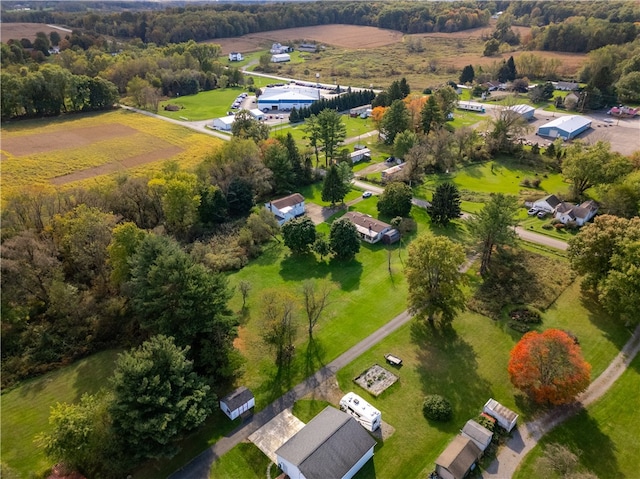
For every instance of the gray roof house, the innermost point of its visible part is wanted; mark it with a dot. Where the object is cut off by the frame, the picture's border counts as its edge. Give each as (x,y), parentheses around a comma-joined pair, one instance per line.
(566,212)
(332,445)
(549,203)
(370,229)
(287,208)
(457,459)
(479,434)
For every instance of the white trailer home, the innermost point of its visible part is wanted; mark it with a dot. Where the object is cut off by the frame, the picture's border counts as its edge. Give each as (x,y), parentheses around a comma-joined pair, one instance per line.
(471,106)
(363,412)
(280,57)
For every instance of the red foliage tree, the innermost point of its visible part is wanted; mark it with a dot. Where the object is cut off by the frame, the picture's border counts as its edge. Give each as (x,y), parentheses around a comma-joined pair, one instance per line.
(549,367)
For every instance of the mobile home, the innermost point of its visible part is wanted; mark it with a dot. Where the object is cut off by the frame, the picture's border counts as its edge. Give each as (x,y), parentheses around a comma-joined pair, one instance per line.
(471,106)
(363,412)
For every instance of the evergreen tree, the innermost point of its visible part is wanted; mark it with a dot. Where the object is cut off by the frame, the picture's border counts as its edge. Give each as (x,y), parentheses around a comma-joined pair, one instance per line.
(333,188)
(445,204)
(467,74)
(395,120)
(511,65)
(431,115)
(404,87)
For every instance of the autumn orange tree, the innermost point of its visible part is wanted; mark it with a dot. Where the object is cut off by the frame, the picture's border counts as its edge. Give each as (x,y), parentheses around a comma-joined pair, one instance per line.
(549,367)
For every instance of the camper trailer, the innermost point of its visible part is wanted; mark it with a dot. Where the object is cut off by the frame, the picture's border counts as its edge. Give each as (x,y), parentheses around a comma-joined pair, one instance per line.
(471,106)
(363,412)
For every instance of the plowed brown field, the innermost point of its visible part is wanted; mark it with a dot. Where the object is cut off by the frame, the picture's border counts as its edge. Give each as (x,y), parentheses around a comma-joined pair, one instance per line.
(17,31)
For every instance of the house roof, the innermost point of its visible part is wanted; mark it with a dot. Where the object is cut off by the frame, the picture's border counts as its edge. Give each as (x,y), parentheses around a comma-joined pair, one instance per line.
(287,201)
(256,112)
(328,446)
(564,207)
(477,432)
(366,221)
(551,200)
(227,120)
(568,122)
(237,398)
(567,85)
(458,457)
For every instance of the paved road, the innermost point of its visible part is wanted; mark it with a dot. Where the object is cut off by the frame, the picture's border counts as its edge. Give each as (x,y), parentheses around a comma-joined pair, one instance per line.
(526,436)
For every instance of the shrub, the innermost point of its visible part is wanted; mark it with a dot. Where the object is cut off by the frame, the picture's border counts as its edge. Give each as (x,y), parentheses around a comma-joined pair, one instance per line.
(526,182)
(547,226)
(437,408)
(486,421)
(535,183)
(559,226)
(520,327)
(525,315)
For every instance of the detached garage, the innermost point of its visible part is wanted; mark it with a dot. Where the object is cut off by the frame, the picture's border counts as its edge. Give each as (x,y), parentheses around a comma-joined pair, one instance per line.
(565,127)
(525,111)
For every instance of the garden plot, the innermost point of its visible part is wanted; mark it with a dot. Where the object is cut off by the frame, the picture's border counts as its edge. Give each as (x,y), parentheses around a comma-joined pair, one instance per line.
(376,379)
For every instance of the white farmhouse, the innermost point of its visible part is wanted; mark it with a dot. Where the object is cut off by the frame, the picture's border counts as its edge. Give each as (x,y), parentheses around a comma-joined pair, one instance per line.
(287,208)
(235,57)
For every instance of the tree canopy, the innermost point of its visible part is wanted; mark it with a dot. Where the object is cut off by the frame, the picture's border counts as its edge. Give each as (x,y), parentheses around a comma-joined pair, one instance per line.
(395,200)
(299,234)
(344,239)
(549,367)
(434,277)
(445,204)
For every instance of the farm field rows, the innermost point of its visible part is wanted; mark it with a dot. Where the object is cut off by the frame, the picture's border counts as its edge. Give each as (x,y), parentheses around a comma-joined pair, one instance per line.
(73,148)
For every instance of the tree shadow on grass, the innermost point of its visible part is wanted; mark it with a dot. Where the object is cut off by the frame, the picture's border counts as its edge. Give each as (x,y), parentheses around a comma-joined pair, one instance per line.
(447,366)
(603,320)
(314,357)
(582,435)
(278,379)
(346,273)
(303,266)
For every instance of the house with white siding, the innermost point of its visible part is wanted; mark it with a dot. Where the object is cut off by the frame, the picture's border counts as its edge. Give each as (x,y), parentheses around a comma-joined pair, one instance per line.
(287,208)
(370,229)
(332,445)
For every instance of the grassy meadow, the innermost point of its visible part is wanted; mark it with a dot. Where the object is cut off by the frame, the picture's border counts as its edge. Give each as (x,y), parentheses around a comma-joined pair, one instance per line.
(604,436)
(25,409)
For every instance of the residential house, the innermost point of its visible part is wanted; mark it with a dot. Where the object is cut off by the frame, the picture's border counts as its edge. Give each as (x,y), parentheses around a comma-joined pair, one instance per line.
(458,459)
(332,445)
(287,208)
(548,203)
(505,417)
(389,173)
(235,57)
(565,85)
(278,48)
(238,402)
(359,155)
(370,229)
(566,212)
(479,434)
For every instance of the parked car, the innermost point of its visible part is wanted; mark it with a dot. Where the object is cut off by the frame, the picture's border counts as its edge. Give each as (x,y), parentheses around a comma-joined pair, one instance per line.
(532,211)
(391,159)
(541,214)
(367,194)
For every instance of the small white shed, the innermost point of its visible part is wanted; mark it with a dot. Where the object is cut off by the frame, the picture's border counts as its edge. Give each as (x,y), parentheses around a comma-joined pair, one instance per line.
(257,114)
(505,417)
(238,402)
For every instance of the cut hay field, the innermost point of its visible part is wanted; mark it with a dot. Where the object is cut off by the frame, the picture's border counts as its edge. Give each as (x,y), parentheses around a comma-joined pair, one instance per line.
(17,31)
(80,148)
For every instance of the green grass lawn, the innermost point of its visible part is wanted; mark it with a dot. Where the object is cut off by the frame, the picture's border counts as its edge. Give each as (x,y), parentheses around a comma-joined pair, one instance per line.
(243,461)
(203,106)
(604,436)
(25,409)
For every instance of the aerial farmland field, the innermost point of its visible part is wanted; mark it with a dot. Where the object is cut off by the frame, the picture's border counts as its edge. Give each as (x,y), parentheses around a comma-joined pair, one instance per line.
(67,150)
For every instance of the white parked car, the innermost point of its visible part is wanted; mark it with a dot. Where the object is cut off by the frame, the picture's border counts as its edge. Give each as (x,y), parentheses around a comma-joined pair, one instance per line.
(366,194)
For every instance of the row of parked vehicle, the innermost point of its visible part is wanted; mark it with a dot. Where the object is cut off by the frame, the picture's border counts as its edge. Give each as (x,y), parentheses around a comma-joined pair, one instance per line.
(238,101)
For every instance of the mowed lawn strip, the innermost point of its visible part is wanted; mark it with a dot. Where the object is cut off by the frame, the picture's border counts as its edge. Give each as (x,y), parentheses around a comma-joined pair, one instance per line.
(25,409)
(604,436)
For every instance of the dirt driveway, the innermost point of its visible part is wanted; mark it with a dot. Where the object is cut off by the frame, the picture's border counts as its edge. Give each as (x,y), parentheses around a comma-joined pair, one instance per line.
(320,214)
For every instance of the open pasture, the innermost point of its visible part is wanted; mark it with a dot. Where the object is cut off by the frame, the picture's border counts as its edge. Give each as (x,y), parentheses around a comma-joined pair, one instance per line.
(69,149)
(17,31)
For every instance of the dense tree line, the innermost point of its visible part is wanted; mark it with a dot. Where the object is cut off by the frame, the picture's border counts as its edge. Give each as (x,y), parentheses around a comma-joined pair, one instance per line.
(51,90)
(175,25)
(343,102)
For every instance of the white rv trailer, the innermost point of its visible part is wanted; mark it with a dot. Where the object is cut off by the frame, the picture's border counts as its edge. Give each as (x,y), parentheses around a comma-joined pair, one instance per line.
(471,106)
(363,412)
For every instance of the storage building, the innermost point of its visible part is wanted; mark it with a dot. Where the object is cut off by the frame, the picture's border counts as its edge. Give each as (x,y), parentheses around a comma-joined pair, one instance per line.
(224,123)
(458,458)
(525,111)
(239,401)
(287,98)
(479,434)
(565,127)
(505,417)
(280,58)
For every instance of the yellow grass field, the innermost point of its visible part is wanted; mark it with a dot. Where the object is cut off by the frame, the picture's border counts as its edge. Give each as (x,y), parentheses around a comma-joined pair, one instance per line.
(84,149)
